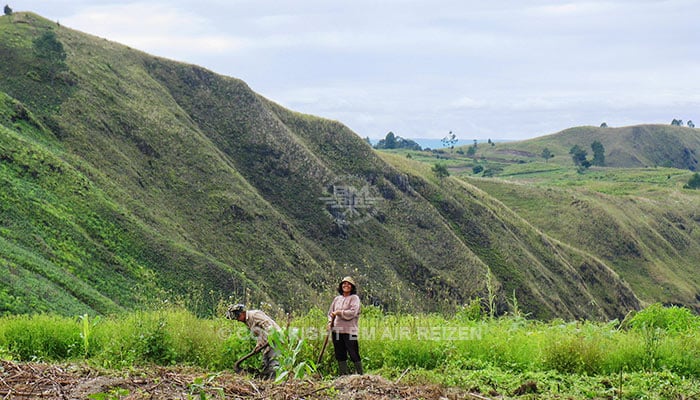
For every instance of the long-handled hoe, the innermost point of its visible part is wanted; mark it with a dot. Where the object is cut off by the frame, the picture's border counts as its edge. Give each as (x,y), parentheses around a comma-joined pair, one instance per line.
(237,365)
(325,341)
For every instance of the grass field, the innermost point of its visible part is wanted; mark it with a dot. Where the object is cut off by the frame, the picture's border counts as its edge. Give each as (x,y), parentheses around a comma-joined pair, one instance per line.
(654,353)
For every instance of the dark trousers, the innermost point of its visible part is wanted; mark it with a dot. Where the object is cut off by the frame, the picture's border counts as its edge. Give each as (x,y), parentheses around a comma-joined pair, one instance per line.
(346,345)
(270,363)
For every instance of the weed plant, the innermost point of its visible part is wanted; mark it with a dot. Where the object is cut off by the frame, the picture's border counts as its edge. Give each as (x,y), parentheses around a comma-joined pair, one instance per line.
(40,337)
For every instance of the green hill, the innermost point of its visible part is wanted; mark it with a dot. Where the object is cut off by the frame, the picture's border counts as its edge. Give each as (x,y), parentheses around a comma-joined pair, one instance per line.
(632,212)
(129,179)
(650,238)
(638,146)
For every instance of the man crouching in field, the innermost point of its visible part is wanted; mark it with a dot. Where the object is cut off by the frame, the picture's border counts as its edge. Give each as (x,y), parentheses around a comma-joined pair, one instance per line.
(260,325)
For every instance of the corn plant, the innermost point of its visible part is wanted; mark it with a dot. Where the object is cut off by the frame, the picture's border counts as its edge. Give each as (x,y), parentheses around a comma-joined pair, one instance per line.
(289,344)
(86,329)
(198,388)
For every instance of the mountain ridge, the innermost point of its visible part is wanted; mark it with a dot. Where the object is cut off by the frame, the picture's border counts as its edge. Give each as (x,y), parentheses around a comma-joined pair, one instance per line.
(181,183)
(636,146)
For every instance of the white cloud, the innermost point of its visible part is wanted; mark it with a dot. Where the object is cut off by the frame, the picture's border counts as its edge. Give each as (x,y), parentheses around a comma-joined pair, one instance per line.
(468,103)
(572,9)
(510,68)
(158,28)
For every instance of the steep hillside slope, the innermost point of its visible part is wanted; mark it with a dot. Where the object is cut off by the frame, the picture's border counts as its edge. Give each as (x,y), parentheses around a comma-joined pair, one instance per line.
(546,275)
(67,245)
(129,179)
(632,213)
(652,239)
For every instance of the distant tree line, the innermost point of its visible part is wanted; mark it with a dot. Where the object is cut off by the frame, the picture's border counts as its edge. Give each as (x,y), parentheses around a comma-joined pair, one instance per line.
(580,156)
(391,141)
(679,122)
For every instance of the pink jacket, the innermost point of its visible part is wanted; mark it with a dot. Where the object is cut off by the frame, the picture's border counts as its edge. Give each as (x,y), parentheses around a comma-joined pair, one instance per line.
(346,321)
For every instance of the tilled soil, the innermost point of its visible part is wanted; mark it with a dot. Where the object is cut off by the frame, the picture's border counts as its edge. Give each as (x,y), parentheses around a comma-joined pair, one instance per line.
(67,382)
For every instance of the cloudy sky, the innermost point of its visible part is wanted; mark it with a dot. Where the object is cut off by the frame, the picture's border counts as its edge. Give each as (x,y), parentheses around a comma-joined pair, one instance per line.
(501,70)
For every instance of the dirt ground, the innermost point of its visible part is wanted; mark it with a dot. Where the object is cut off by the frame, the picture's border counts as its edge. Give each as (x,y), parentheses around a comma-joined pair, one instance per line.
(52,381)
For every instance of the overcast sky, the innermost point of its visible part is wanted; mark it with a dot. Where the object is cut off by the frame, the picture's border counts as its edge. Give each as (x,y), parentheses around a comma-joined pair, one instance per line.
(500,70)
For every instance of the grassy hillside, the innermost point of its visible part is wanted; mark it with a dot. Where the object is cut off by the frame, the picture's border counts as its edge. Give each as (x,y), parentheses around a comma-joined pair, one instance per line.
(633,213)
(68,246)
(639,221)
(647,232)
(642,146)
(548,276)
(130,179)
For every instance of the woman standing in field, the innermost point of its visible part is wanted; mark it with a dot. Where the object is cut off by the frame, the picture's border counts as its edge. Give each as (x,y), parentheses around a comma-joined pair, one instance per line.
(343,319)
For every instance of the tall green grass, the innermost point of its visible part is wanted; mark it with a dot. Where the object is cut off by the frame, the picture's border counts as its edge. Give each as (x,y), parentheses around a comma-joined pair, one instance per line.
(164,337)
(655,342)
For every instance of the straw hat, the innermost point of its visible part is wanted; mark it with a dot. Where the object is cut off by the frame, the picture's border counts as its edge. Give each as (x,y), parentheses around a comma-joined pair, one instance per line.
(349,280)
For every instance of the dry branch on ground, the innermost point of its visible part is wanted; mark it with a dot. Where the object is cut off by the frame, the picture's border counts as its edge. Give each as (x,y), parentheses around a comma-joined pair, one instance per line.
(70,381)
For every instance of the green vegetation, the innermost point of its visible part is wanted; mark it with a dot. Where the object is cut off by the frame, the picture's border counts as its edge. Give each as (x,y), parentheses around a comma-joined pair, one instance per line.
(642,146)
(51,53)
(129,182)
(578,156)
(211,189)
(290,344)
(129,179)
(392,141)
(639,221)
(655,351)
(440,170)
(598,153)
(693,182)
(546,154)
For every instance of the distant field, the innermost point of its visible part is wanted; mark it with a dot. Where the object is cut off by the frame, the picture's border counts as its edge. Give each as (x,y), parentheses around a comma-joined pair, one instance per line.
(535,171)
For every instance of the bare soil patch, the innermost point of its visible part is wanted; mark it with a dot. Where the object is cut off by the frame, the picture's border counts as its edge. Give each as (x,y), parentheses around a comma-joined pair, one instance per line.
(72,381)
